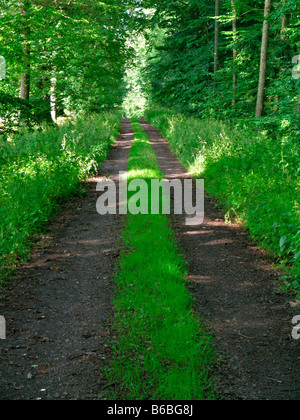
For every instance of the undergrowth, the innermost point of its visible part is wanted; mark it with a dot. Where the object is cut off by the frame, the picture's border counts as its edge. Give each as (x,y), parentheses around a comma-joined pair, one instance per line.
(37,169)
(254,175)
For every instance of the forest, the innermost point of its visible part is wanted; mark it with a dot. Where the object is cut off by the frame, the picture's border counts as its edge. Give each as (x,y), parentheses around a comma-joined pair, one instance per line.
(157,89)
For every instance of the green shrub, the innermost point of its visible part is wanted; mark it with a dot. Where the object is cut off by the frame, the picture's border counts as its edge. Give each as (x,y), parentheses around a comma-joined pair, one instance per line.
(39,168)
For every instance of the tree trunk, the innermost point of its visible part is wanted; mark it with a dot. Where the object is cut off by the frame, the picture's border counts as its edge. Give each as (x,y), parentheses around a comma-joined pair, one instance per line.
(53,96)
(217,32)
(25,76)
(263,61)
(284,24)
(25,87)
(234,29)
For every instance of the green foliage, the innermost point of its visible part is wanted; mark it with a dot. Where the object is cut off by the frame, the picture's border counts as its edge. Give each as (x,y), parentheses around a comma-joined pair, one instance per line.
(134,101)
(253,175)
(75,50)
(251,164)
(162,352)
(10,108)
(181,65)
(37,169)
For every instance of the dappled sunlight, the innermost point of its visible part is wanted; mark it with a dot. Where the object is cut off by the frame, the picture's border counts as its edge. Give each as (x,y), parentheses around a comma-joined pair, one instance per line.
(145,174)
(156,146)
(198,232)
(251,173)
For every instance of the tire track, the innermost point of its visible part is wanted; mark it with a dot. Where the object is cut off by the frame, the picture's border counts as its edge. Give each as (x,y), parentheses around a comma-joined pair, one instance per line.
(234,286)
(58,305)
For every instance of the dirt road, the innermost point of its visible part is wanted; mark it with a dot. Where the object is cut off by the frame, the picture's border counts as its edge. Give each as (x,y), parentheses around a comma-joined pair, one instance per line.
(58,306)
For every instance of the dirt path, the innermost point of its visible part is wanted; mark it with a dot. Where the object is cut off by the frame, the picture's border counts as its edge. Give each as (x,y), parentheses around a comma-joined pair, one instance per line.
(58,306)
(234,285)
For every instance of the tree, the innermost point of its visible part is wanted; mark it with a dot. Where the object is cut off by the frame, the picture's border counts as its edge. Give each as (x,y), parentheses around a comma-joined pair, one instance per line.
(217,34)
(65,55)
(234,31)
(263,60)
(25,34)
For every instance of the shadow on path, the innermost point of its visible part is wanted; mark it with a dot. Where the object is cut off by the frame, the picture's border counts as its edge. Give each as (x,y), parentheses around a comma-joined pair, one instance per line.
(58,305)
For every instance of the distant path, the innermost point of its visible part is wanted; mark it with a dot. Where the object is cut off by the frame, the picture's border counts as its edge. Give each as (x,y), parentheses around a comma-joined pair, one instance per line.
(58,305)
(233,283)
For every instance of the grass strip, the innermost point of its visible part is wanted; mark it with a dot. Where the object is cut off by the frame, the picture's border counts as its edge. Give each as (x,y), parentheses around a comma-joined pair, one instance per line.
(162,351)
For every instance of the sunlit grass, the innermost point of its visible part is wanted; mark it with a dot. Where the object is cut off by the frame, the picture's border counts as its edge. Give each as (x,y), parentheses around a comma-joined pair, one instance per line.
(162,350)
(37,169)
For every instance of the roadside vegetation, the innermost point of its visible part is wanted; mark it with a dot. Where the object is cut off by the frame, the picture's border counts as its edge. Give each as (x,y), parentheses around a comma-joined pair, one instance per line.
(162,351)
(38,169)
(255,177)
(221,82)
(57,61)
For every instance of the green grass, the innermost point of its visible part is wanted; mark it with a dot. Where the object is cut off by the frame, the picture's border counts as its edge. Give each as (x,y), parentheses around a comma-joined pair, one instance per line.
(38,169)
(162,350)
(255,176)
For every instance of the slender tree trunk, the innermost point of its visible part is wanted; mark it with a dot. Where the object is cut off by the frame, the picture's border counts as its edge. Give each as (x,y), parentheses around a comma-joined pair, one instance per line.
(217,33)
(263,61)
(284,24)
(25,87)
(53,96)
(234,29)
(25,76)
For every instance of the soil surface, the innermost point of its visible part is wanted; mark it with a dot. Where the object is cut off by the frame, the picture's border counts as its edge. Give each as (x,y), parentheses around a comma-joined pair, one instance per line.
(234,285)
(58,306)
